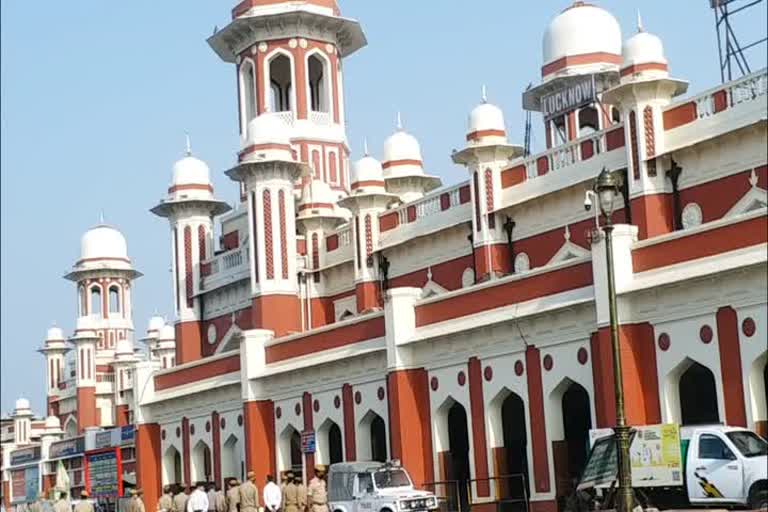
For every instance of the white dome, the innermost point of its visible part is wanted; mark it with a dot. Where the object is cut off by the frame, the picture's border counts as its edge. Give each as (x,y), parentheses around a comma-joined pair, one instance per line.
(267,129)
(315,192)
(167,333)
(367,169)
(643,48)
(124,347)
(191,171)
(484,117)
(401,145)
(55,333)
(155,324)
(581,29)
(52,423)
(22,404)
(103,241)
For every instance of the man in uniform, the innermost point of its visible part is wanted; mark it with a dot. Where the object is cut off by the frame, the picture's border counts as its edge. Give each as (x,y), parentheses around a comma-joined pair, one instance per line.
(37,505)
(138,501)
(301,492)
(290,494)
(85,504)
(180,500)
(211,498)
(317,494)
(233,496)
(165,503)
(220,500)
(62,503)
(249,494)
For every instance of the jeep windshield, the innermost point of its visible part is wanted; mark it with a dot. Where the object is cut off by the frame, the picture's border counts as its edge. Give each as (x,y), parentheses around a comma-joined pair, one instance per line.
(748,443)
(391,478)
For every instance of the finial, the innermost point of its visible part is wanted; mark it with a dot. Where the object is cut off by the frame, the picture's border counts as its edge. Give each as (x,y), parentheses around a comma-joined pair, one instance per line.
(484,94)
(101,217)
(639,22)
(399,121)
(753,178)
(567,234)
(189,144)
(365,146)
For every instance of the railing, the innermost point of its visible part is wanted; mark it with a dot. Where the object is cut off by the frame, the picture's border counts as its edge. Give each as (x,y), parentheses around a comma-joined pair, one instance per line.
(228,261)
(321,118)
(345,237)
(564,156)
(286,116)
(105,377)
(429,205)
(748,88)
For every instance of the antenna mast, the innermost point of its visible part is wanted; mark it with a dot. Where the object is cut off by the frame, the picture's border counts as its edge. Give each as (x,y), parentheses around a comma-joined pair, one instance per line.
(730,51)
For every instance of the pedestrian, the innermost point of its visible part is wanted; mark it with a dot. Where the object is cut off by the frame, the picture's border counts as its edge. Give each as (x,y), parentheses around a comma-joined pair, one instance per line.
(62,503)
(283,480)
(301,492)
(36,506)
(198,500)
(85,504)
(233,496)
(180,500)
(138,501)
(211,498)
(317,494)
(221,500)
(273,496)
(165,503)
(290,495)
(249,494)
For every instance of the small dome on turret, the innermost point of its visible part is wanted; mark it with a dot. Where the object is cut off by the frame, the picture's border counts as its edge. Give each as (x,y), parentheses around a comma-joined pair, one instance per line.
(486,124)
(191,171)
(103,242)
(52,423)
(124,347)
(155,324)
(401,146)
(268,138)
(167,333)
(22,405)
(643,56)
(55,334)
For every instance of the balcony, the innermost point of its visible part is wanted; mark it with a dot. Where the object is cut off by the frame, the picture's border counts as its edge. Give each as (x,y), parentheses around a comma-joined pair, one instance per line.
(224,269)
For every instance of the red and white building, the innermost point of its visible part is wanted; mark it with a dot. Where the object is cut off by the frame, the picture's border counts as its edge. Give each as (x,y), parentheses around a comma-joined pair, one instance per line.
(460,329)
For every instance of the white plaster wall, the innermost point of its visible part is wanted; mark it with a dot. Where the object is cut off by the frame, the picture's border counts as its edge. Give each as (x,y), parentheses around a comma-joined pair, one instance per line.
(753,359)
(321,421)
(288,418)
(196,467)
(232,429)
(369,402)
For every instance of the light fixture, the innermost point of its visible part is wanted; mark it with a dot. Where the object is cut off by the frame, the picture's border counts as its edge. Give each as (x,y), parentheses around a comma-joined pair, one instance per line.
(607,190)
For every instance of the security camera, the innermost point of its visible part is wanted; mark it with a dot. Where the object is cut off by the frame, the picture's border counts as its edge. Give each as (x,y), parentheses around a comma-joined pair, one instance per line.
(587,201)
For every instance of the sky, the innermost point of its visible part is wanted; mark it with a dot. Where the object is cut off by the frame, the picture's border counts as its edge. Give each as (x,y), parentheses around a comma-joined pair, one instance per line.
(96,98)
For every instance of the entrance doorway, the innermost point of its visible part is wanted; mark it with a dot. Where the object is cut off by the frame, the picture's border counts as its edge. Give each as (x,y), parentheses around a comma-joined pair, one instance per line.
(458,442)
(577,420)
(171,466)
(372,438)
(698,396)
(335,447)
(232,459)
(513,425)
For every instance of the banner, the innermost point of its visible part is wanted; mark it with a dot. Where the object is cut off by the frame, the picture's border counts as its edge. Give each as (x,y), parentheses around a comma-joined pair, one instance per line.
(31,483)
(569,97)
(25,455)
(102,471)
(67,448)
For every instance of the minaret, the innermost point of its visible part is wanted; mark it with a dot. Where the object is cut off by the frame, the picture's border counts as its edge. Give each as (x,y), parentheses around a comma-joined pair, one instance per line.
(289,63)
(367,199)
(403,166)
(267,174)
(156,323)
(486,154)
(190,207)
(22,422)
(54,350)
(165,347)
(645,88)
(125,358)
(86,342)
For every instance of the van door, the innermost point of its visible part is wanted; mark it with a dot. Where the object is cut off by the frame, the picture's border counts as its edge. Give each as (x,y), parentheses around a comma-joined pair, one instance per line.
(363,493)
(714,472)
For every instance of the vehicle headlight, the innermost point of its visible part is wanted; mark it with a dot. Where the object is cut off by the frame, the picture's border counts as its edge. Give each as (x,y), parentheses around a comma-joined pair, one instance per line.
(432,502)
(403,505)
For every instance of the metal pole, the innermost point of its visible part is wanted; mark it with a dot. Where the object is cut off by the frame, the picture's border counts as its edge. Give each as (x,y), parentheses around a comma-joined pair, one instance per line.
(624,498)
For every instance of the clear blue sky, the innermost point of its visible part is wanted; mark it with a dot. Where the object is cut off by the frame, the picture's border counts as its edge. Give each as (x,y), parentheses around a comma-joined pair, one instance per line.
(96,97)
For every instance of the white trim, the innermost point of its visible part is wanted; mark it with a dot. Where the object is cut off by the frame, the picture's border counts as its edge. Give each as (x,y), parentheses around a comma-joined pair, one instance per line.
(243,104)
(327,81)
(268,75)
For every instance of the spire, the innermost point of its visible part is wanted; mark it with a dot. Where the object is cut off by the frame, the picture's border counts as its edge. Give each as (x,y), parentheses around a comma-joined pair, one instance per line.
(189,144)
(101,217)
(399,121)
(484,94)
(365,146)
(639,22)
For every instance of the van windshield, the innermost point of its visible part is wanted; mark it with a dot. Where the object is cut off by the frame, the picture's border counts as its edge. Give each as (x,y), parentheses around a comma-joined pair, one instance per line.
(748,443)
(391,478)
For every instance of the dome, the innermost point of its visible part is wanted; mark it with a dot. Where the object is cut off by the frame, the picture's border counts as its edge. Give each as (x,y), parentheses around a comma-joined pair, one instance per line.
(167,333)
(643,57)
(400,146)
(55,333)
(191,171)
(22,404)
(316,192)
(581,30)
(124,347)
(102,242)
(52,423)
(367,169)
(155,324)
(486,124)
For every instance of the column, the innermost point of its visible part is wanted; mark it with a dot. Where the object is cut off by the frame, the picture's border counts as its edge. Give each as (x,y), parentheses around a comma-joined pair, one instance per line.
(148,463)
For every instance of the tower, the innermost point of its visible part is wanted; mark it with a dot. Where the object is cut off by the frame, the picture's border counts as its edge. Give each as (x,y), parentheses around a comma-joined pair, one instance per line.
(486,154)
(22,422)
(189,207)
(403,166)
(267,175)
(54,350)
(86,343)
(289,64)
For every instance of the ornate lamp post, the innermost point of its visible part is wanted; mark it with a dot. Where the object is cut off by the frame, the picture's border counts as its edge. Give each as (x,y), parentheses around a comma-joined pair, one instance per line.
(607,189)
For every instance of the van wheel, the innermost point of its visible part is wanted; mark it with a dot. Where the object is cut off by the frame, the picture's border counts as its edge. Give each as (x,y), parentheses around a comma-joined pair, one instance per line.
(759,500)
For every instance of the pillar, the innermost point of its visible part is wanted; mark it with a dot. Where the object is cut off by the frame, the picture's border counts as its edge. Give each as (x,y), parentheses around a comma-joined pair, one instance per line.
(121,415)
(216,452)
(477,406)
(730,367)
(259,425)
(188,342)
(148,463)
(350,445)
(538,425)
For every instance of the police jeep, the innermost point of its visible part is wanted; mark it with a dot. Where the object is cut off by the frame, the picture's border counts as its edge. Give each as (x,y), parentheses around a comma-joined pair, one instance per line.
(375,487)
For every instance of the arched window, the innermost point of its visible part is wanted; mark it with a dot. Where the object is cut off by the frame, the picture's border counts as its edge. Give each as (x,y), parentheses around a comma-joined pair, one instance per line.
(559,131)
(82,301)
(95,301)
(114,299)
(247,93)
(280,83)
(317,75)
(588,121)
(615,115)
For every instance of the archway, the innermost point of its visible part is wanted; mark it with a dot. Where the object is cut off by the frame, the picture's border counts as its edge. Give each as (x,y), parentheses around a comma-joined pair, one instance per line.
(330,448)
(577,420)
(201,463)
(280,83)
(698,396)
(70,427)
(318,83)
(372,438)
(232,459)
(515,452)
(458,444)
(290,456)
(172,466)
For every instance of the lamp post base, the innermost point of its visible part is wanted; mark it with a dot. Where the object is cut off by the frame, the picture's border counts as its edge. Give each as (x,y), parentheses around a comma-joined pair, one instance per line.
(625,500)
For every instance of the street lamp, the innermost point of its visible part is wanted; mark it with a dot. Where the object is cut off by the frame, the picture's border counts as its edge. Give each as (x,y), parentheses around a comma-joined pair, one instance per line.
(607,190)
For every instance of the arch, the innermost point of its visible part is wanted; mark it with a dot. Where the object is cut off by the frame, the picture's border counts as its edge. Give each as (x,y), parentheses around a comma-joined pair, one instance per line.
(691,394)
(330,447)
(289,454)
(114,299)
(758,387)
(318,81)
(70,426)
(95,300)
(232,465)
(202,467)
(570,435)
(588,121)
(172,469)
(279,81)
(455,455)
(82,301)
(372,438)
(346,315)
(509,424)
(247,94)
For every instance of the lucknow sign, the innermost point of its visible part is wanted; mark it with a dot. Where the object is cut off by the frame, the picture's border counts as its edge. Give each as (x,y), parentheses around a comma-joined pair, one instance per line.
(569,97)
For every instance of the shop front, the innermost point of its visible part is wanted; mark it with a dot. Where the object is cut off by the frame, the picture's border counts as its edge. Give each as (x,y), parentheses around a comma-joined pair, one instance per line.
(70,453)
(109,467)
(24,469)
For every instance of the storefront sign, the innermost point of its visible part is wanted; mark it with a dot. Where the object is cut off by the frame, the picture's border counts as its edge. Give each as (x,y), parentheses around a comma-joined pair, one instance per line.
(25,484)
(67,448)
(127,434)
(103,475)
(569,97)
(102,440)
(25,455)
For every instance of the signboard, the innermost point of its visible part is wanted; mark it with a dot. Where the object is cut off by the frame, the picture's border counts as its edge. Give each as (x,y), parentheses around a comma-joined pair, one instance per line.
(308,441)
(103,474)
(569,97)
(602,464)
(127,434)
(18,487)
(654,455)
(31,483)
(25,455)
(102,440)
(67,448)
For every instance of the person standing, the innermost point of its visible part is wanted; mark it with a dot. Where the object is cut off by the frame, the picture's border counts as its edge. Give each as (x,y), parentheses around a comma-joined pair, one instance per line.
(233,496)
(62,504)
(138,501)
(220,500)
(249,494)
(290,495)
(211,498)
(85,504)
(273,495)
(180,500)
(301,492)
(198,500)
(317,494)
(165,503)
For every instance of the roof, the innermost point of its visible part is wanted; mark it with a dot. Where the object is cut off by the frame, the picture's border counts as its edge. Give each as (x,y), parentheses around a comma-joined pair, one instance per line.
(354,467)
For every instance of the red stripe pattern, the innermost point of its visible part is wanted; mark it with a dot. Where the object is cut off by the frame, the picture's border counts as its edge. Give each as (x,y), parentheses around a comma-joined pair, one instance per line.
(283,234)
(188,264)
(268,245)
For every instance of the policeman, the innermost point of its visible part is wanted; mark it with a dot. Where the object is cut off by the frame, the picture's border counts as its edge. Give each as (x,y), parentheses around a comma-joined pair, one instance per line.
(85,504)
(290,494)
(62,503)
(180,500)
(37,505)
(165,503)
(233,496)
(317,494)
(301,492)
(249,494)
(221,500)
(138,501)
